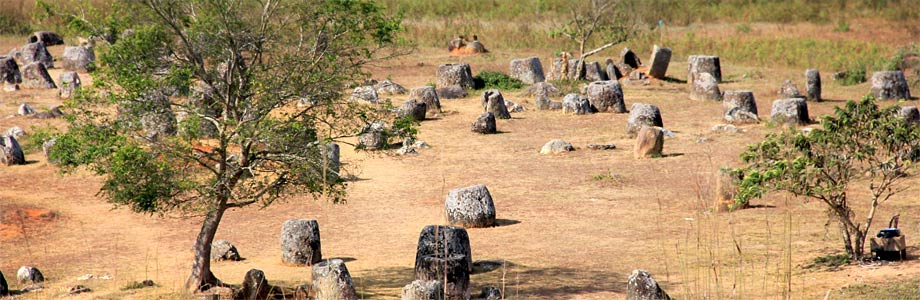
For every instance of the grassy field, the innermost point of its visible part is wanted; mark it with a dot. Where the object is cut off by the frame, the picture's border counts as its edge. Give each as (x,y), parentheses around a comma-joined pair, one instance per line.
(573,226)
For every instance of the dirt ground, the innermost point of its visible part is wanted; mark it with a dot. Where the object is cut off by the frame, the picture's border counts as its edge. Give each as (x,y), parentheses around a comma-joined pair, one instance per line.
(573,226)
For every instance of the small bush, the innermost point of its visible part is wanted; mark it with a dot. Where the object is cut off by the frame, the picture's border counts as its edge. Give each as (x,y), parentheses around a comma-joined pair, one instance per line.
(495,80)
(854,75)
(11,24)
(842,26)
(743,28)
(829,262)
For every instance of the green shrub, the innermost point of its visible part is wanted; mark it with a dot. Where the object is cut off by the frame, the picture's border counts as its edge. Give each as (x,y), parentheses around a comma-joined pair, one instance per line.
(743,28)
(854,75)
(842,26)
(495,80)
(11,24)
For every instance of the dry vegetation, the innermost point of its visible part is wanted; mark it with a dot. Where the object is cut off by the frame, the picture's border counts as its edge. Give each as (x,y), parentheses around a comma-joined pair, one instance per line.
(574,225)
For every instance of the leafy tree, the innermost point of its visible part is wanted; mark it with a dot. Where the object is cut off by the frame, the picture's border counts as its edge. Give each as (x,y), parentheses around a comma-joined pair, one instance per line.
(264,80)
(859,146)
(607,20)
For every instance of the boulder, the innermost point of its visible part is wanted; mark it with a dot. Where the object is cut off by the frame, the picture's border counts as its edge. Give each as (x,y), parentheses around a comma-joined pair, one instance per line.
(661,58)
(544,88)
(569,68)
(78,58)
(25,109)
(638,78)
(699,64)
(36,52)
(373,137)
(9,71)
(594,72)
(156,116)
(47,147)
(613,73)
(300,243)
(493,102)
(35,75)
(455,75)
(423,290)
(365,93)
(739,107)
(649,142)
(485,124)
(556,146)
(440,240)
(47,38)
(705,87)
(29,275)
(789,90)
(812,85)
(910,114)
(606,96)
(491,293)
(388,87)
(629,58)
(452,269)
(641,286)
(514,107)
(793,111)
(527,70)
(429,96)
(542,102)
(331,281)
(577,104)
(724,128)
(332,164)
(602,146)
(413,108)
(470,207)
(451,92)
(224,250)
(70,82)
(4,287)
(54,112)
(10,151)
(15,132)
(889,85)
(726,189)
(640,115)
(254,287)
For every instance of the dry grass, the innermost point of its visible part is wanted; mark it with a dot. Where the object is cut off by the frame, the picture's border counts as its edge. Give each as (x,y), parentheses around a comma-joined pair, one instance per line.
(566,235)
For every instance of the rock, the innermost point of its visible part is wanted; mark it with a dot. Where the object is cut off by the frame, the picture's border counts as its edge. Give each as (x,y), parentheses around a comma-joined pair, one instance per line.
(300,243)
(556,147)
(910,114)
(577,104)
(637,78)
(649,142)
(224,250)
(705,87)
(630,59)
(388,87)
(491,293)
(47,38)
(789,90)
(9,71)
(439,240)
(739,107)
(25,110)
(10,151)
(602,146)
(470,207)
(410,146)
(35,75)
(889,85)
(36,52)
(792,111)
(70,82)
(661,58)
(254,287)
(573,68)
(373,137)
(304,292)
(594,72)
(450,75)
(47,146)
(365,93)
(78,289)
(30,275)
(332,164)
(429,96)
(156,116)
(514,107)
(812,85)
(451,92)
(452,269)
(724,128)
(54,112)
(542,102)
(613,73)
(606,96)
(527,70)
(544,88)
(640,115)
(493,102)
(15,132)
(10,87)
(331,281)
(641,286)
(485,124)
(698,64)
(78,58)
(726,189)
(413,108)
(423,290)
(4,287)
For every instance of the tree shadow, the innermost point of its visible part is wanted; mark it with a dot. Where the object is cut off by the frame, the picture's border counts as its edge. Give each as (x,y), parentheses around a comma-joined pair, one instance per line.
(505,222)
(672,155)
(761,206)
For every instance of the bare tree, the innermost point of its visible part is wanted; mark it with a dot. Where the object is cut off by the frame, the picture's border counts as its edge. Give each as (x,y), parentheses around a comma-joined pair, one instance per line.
(603,20)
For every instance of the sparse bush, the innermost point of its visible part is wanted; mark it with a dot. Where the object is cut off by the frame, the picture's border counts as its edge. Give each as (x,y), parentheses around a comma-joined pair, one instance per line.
(743,28)
(842,26)
(829,262)
(495,80)
(854,75)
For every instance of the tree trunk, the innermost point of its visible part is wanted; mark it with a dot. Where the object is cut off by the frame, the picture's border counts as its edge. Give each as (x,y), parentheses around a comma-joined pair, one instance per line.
(202,278)
(845,231)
